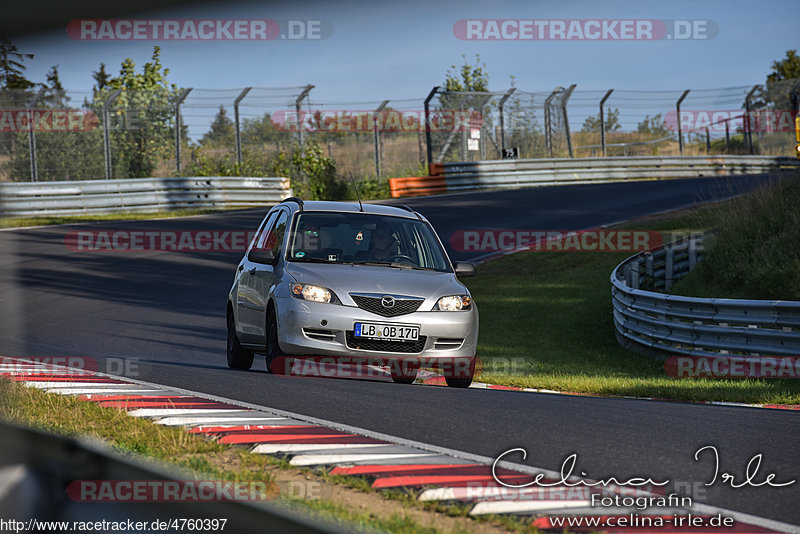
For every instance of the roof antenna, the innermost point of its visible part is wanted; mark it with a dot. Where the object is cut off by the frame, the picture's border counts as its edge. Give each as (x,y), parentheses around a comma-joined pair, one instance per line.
(358,196)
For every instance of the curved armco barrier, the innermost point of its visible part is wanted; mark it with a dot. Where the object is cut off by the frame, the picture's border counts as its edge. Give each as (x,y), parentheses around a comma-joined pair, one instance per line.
(670,325)
(516,174)
(82,197)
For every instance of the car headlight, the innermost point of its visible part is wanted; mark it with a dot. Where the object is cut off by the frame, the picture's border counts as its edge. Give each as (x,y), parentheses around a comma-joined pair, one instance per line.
(454,303)
(312,293)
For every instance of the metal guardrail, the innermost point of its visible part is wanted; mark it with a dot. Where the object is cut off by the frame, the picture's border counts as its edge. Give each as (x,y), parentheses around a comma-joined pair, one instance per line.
(37,468)
(140,194)
(667,325)
(514,174)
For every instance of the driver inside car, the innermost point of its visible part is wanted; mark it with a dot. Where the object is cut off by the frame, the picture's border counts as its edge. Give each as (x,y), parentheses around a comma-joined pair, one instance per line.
(383,245)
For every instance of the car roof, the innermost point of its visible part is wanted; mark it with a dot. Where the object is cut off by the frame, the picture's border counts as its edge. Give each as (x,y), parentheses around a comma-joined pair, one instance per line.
(353,207)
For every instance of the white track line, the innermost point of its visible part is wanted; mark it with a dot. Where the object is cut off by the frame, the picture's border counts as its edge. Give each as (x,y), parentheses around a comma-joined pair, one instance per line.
(276,448)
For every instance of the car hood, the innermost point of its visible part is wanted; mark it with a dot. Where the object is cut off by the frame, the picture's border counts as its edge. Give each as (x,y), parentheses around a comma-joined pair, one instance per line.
(346,279)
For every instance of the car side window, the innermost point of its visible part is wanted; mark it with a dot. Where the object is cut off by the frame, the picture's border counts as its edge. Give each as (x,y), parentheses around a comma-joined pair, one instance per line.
(261,238)
(275,240)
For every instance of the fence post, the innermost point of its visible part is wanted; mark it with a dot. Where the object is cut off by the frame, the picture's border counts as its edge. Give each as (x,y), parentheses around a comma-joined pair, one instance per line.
(180,100)
(303,94)
(564,99)
(32,135)
(106,137)
(727,137)
(603,123)
(236,120)
(428,140)
(678,115)
(708,141)
(747,109)
(502,122)
(548,140)
(378,138)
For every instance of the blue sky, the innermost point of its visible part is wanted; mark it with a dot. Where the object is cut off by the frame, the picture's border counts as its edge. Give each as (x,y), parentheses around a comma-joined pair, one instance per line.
(400,50)
(395,50)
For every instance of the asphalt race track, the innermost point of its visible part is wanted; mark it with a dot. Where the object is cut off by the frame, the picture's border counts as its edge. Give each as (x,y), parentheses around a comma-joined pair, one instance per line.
(164,312)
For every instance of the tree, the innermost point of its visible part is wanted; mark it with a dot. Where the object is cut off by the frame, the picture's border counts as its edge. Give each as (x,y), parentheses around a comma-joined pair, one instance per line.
(142,129)
(780,82)
(101,78)
(12,67)
(653,125)
(611,120)
(221,133)
(467,78)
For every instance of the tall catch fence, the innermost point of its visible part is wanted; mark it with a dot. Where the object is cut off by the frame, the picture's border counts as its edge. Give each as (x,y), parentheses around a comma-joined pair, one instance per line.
(48,135)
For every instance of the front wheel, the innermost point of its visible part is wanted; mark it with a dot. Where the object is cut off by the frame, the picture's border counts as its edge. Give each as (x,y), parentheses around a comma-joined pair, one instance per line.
(403,373)
(460,376)
(273,348)
(238,357)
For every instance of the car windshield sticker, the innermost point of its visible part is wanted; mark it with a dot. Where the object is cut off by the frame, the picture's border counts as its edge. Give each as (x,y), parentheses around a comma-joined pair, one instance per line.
(300,254)
(359,237)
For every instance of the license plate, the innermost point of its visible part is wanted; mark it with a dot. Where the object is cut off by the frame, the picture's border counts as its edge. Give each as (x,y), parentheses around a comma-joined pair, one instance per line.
(387,332)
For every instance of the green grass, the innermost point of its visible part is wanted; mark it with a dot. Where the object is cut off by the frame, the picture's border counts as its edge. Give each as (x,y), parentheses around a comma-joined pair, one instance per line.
(756,249)
(19,222)
(546,323)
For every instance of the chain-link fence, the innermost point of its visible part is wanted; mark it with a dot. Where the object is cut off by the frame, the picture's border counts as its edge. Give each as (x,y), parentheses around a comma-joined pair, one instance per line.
(47,135)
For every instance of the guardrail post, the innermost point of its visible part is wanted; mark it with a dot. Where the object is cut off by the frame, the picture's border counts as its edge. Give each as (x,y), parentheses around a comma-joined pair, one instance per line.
(502,121)
(428,140)
(32,136)
(106,136)
(634,281)
(297,103)
(178,103)
(378,138)
(669,267)
(747,110)
(603,122)
(649,266)
(236,120)
(678,115)
(564,99)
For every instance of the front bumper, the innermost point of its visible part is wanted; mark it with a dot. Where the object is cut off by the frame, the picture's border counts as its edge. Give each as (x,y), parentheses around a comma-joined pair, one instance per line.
(315,329)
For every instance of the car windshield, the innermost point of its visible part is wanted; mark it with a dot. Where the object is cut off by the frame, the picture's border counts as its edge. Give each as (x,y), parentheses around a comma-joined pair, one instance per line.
(363,238)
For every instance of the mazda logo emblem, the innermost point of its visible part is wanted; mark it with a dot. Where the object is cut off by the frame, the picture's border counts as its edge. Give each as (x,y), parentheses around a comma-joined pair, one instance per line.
(387,301)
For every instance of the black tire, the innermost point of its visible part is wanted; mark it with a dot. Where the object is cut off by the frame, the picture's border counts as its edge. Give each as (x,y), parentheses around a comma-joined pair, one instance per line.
(403,373)
(238,357)
(464,379)
(273,347)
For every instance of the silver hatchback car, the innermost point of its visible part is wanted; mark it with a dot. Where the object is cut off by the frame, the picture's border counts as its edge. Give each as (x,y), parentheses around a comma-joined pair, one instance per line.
(367,284)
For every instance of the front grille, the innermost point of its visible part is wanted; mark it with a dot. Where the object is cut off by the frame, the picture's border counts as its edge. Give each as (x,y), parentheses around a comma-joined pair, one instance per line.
(384,346)
(402,306)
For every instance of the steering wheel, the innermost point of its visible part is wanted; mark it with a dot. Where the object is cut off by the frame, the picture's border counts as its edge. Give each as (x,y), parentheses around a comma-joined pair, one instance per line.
(395,257)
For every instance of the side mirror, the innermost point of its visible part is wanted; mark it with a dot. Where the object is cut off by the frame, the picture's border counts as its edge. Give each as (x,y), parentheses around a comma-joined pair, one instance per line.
(465,269)
(262,255)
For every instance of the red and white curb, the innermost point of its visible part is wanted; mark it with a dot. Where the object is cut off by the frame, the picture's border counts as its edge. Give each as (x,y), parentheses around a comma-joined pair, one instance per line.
(438,473)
